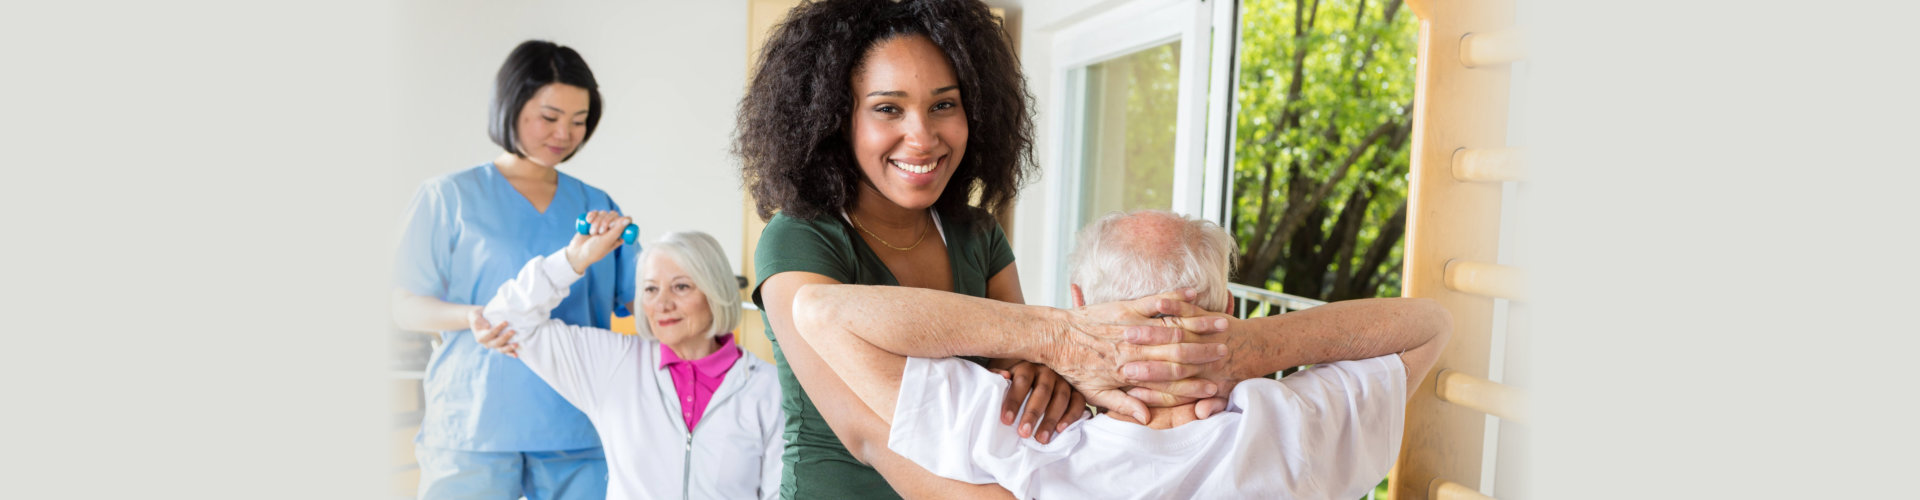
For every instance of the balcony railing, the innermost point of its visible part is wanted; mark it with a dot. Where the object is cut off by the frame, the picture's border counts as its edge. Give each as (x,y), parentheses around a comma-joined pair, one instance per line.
(1250,302)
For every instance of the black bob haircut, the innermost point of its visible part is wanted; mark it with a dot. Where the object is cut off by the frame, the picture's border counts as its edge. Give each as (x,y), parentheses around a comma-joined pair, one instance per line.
(532,65)
(793,139)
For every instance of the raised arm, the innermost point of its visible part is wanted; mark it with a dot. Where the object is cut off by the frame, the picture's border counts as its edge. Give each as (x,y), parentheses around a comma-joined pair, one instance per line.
(1417,329)
(868,331)
(1088,346)
(1347,330)
(574,360)
(545,281)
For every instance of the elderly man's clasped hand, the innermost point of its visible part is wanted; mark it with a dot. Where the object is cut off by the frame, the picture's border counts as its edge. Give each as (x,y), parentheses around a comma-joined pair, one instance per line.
(1156,348)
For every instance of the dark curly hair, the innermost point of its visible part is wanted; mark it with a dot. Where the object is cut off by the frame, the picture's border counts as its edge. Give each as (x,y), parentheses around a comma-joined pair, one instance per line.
(793,139)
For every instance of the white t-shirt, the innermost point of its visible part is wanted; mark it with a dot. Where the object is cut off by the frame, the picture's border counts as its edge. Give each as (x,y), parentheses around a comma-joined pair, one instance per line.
(1330,431)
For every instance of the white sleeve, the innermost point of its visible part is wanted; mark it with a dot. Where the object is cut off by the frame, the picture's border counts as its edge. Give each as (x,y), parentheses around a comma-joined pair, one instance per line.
(947,420)
(529,298)
(1337,425)
(572,359)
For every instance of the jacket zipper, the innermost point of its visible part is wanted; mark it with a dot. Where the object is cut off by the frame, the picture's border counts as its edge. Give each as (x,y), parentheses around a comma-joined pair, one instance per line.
(686,470)
(686,463)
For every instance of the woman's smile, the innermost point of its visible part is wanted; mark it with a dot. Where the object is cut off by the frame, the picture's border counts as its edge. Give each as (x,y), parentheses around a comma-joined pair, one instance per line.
(918,171)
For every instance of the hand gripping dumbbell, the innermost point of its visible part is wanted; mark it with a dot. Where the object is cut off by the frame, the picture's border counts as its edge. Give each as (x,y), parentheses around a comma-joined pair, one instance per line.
(583,227)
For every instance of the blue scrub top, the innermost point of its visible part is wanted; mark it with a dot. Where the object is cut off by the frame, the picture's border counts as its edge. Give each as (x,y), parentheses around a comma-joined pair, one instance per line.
(467,233)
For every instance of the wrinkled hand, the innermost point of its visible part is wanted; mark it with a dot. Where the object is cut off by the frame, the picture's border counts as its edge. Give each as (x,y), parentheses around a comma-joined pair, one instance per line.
(1109,348)
(1161,392)
(1165,394)
(1046,394)
(586,249)
(496,337)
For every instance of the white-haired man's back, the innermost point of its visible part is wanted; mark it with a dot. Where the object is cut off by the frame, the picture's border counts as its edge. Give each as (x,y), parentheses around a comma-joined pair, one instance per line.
(1331,432)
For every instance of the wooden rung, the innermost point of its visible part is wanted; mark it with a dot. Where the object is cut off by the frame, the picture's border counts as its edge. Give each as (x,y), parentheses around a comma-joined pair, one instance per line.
(1488,165)
(1491,48)
(1442,489)
(1482,395)
(1489,280)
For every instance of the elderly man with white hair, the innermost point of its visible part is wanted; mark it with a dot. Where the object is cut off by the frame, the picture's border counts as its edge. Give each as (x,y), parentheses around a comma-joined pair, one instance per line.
(1330,431)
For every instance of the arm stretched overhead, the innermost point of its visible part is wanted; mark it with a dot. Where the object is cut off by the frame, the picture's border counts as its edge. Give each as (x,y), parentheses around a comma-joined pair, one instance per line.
(1091,335)
(1348,330)
(574,360)
(1417,329)
(869,332)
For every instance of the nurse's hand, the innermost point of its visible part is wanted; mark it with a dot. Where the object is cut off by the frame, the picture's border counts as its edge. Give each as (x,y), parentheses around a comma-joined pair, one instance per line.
(496,337)
(587,249)
(1052,403)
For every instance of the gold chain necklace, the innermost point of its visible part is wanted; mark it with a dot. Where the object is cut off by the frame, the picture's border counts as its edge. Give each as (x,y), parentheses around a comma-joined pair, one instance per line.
(883,241)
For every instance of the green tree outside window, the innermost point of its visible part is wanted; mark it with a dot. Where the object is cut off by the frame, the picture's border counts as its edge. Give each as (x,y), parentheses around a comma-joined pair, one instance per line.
(1323,124)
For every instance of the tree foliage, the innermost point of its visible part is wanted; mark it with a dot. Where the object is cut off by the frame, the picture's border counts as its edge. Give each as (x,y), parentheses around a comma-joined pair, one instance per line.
(1324,122)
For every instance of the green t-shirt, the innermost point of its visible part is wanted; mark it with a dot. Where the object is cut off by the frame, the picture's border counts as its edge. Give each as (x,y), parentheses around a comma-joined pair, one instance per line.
(816,465)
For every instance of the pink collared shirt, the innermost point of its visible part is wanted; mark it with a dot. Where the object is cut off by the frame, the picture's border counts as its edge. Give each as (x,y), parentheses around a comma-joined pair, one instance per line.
(694,381)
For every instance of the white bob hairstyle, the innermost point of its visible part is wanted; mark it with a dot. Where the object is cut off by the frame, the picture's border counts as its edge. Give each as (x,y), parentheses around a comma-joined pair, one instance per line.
(705,262)
(1125,256)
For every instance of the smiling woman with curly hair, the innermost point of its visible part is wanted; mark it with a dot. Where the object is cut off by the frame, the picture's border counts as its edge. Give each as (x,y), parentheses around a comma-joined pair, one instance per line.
(868,133)
(796,121)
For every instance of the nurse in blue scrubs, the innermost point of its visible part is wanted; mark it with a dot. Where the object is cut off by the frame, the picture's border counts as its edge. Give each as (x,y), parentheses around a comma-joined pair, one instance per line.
(494,430)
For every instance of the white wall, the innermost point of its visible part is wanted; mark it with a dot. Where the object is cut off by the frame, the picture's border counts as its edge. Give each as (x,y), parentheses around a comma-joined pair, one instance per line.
(672,74)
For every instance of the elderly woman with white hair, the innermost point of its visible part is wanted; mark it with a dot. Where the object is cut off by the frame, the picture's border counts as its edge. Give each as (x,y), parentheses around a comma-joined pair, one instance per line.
(682,412)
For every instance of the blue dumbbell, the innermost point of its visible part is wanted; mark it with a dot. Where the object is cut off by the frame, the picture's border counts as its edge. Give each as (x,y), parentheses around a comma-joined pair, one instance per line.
(583,227)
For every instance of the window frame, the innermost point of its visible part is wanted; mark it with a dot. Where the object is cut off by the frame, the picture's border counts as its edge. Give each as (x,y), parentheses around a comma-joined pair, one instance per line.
(1200,165)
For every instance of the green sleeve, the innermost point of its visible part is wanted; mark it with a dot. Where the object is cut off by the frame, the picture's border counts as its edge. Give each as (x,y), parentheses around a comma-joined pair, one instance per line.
(789,244)
(999,253)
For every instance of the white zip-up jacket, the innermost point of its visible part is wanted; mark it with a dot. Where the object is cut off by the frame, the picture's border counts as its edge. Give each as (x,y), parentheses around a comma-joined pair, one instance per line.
(617,381)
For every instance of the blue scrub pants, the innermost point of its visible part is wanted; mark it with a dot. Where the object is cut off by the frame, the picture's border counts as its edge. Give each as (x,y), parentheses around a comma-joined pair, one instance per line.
(537,475)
